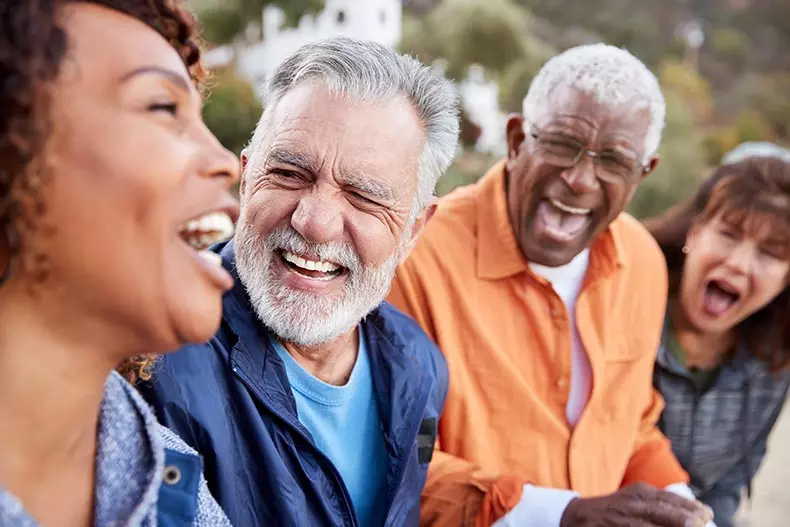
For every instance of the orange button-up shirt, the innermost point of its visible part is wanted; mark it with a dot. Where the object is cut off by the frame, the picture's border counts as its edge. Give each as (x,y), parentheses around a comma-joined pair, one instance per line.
(507,338)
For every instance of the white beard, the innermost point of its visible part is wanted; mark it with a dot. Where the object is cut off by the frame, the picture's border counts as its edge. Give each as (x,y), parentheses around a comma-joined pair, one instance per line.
(301,317)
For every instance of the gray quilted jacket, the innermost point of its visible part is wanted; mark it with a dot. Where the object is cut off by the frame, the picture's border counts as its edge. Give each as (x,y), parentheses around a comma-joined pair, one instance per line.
(720,435)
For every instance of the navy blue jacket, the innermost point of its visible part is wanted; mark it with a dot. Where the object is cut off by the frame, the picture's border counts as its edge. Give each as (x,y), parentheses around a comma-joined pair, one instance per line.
(230,399)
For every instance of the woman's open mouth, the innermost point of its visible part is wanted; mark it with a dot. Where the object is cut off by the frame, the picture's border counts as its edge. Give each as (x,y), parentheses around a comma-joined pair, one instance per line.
(205,231)
(719,297)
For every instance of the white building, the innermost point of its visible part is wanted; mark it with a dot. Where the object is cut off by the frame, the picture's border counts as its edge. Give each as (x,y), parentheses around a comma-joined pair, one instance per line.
(377,20)
(480,100)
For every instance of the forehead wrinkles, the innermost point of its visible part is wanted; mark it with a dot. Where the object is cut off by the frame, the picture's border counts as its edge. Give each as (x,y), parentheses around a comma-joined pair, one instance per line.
(572,110)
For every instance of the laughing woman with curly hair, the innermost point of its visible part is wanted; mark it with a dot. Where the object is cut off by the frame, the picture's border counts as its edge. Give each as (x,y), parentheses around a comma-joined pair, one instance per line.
(104,164)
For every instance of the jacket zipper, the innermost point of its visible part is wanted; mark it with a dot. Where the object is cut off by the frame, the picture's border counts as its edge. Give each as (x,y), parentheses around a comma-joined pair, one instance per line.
(402,465)
(320,455)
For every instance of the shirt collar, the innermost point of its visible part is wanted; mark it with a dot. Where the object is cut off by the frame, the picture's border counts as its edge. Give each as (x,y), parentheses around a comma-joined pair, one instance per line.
(498,253)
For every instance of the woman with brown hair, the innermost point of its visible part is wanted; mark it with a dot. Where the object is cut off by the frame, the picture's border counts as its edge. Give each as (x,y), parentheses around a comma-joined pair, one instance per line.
(110,184)
(722,366)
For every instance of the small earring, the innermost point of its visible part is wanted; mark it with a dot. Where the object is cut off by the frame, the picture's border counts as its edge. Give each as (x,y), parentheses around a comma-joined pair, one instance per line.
(686,249)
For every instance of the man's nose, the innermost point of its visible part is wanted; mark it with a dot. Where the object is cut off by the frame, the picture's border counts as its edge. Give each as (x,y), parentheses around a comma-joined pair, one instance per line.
(581,178)
(741,257)
(318,219)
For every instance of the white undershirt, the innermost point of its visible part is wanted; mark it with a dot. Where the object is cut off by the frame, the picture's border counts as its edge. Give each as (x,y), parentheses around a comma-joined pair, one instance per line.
(566,280)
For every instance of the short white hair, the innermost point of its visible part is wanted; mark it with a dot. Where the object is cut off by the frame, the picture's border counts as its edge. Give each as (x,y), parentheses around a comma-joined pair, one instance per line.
(611,75)
(370,71)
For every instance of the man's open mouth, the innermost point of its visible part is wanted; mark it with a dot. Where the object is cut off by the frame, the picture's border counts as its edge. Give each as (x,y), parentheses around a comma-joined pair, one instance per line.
(311,268)
(562,221)
(719,297)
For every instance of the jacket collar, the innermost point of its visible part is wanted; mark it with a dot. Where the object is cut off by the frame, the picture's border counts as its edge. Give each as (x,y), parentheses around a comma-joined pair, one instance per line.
(739,369)
(498,254)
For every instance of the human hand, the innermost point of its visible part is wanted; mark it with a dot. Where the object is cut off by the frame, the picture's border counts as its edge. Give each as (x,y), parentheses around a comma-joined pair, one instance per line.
(638,505)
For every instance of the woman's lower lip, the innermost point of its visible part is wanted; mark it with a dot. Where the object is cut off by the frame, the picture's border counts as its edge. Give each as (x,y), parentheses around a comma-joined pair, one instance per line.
(217,274)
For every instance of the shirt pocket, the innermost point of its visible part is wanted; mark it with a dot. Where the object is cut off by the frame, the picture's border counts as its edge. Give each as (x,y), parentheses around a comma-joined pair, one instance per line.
(627,382)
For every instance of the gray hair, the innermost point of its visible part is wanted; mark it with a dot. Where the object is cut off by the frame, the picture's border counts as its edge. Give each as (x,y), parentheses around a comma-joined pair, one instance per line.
(609,74)
(372,72)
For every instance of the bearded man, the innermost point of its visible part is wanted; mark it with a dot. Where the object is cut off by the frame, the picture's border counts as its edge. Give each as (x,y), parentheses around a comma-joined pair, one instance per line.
(315,404)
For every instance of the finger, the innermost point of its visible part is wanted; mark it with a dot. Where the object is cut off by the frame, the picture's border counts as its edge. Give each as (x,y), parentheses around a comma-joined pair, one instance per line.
(692,506)
(670,513)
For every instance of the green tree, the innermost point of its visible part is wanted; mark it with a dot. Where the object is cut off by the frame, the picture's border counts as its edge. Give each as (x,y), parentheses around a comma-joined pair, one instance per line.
(681,167)
(229,21)
(466,32)
(771,99)
(731,45)
(515,81)
(687,85)
(231,110)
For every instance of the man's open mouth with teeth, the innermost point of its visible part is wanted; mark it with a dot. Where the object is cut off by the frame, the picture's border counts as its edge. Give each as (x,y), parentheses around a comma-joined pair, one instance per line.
(562,221)
(310,267)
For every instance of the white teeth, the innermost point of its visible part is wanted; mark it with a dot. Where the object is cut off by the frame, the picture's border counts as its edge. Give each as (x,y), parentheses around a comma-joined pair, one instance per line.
(212,257)
(570,210)
(310,265)
(207,230)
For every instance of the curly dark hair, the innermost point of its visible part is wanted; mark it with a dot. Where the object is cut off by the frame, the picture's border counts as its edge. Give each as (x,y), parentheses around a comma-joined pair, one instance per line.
(32,47)
(757,185)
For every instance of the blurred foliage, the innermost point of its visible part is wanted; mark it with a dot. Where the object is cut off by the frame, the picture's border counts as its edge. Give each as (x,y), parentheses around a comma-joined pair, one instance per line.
(231,110)
(466,32)
(732,45)
(752,127)
(681,167)
(468,168)
(515,80)
(687,85)
(719,141)
(771,99)
(226,21)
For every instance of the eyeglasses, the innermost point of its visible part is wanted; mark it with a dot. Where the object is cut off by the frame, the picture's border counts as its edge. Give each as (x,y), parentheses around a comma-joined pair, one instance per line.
(562,151)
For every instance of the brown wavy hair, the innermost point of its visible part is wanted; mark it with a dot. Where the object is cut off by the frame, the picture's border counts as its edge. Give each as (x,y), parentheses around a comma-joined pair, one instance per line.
(753,190)
(33,44)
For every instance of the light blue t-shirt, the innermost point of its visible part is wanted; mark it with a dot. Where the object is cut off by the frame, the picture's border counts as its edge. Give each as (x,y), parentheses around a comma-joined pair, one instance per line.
(344,422)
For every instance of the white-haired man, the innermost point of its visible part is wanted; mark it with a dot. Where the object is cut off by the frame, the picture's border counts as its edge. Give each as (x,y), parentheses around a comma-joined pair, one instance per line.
(315,404)
(547,301)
